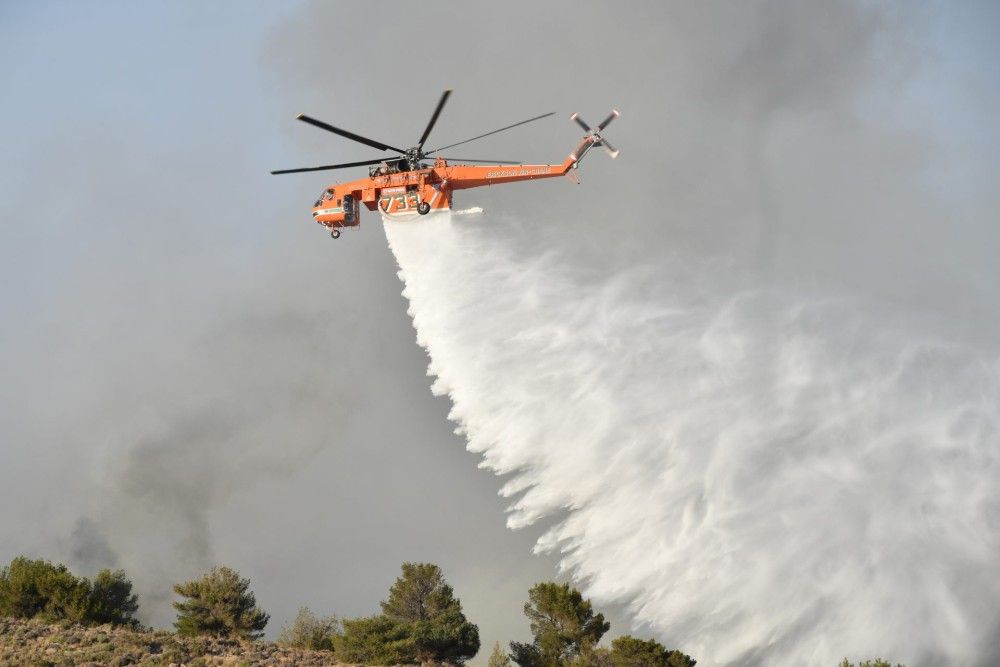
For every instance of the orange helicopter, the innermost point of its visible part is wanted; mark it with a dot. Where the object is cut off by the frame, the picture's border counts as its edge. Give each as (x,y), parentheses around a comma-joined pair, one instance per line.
(403,186)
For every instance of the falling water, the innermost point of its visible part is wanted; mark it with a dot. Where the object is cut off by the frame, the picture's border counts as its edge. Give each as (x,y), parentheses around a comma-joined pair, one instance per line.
(761,478)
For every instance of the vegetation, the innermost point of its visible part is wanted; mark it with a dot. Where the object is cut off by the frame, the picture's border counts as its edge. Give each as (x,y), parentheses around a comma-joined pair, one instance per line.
(627,651)
(112,600)
(219,604)
(563,625)
(498,658)
(421,621)
(40,589)
(308,631)
(376,640)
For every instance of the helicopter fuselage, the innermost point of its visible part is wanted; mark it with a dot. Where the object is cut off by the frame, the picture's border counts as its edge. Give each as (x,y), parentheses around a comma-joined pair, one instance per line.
(420,191)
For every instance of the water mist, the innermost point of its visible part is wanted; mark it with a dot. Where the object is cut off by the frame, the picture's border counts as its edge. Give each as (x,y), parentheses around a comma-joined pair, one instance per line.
(761,477)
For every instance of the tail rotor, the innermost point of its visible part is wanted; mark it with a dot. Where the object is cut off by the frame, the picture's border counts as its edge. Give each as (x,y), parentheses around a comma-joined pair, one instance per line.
(594,137)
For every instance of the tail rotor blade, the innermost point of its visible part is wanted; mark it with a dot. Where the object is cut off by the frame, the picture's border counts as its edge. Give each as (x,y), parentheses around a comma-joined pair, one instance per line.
(612,151)
(607,121)
(579,121)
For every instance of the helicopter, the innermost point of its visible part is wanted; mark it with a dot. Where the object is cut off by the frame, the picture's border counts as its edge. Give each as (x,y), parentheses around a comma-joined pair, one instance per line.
(416,182)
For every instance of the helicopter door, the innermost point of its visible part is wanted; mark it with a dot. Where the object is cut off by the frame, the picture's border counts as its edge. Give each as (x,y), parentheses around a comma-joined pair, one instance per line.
(350,210)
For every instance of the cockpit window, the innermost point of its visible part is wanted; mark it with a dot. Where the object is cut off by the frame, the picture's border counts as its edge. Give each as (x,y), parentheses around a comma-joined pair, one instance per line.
(328,194)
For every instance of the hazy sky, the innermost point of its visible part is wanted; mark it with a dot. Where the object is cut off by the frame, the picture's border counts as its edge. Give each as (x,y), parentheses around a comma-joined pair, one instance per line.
(193,373)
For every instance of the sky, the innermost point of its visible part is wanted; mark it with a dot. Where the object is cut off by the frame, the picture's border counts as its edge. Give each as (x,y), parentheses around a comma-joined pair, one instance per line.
(195,374)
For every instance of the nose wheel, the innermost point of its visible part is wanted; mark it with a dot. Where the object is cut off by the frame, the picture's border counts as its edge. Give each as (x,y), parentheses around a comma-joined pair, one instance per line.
(334,233)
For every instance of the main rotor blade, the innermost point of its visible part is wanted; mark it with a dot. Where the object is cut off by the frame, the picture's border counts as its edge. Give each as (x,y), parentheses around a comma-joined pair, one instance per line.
(349,135)
(544,115)
(329,166)
(437,112)
(455,159)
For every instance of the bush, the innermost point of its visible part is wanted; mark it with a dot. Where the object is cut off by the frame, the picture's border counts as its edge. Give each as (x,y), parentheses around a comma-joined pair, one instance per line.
(374,640)
(308,631)
(563,624)
(220,604)
(40,589)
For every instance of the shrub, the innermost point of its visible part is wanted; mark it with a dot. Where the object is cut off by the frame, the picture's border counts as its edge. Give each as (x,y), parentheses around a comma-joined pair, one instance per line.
(308,631)
(374,640)
(221,604)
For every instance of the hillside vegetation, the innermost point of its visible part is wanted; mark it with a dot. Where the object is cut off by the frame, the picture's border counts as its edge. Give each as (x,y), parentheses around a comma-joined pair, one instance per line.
(37,643)
(50,617)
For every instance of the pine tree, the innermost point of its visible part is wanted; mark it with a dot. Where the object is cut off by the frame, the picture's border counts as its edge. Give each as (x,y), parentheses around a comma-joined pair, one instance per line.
(40,589)
(563,624)
(111,599)
(422,600)
(220,603)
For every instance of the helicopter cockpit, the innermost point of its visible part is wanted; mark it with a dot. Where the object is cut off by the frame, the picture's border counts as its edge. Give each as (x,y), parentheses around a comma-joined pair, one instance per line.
(326,195)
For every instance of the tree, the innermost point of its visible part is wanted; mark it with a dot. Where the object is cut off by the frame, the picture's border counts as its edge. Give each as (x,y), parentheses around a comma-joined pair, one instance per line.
(592,656)
(422,601)
(877,662)
(309,631)
(563,624)
(498,658)
(627,651)
(38,588)
(220,603)
(112,600)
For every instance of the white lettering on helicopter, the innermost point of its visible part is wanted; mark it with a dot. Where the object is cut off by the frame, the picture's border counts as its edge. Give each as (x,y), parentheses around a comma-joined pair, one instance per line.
(403,201)
(500,173)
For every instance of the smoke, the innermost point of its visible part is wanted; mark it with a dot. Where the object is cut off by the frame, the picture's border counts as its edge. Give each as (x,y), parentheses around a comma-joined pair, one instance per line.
(761,476)
(248,408)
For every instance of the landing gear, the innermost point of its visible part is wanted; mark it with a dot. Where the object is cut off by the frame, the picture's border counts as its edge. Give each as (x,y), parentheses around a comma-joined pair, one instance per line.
(334,233)
(423,208)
